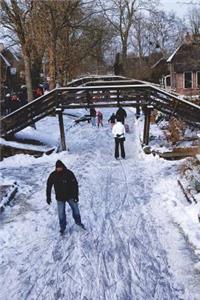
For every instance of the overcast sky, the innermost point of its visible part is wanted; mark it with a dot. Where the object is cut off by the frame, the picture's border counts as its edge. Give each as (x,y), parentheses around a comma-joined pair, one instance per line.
(176,5)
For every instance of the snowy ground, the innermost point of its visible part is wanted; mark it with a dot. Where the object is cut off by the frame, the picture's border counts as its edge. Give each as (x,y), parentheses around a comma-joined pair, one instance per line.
(132,248)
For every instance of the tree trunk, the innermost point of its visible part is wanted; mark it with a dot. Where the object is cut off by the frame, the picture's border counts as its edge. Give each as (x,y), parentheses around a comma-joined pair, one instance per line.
(52,67)
(124,56)
(27,70)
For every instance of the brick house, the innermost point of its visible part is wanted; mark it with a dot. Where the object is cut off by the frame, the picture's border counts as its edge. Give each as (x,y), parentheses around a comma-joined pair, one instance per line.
(9,68)
(184,67)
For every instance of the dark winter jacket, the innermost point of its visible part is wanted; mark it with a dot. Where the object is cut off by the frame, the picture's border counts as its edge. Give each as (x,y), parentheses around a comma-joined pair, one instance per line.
(65,185)
(112,119)
(92,112)
(121,115)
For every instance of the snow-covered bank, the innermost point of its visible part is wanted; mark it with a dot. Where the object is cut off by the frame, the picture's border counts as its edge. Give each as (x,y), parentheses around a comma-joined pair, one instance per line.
(23,146)
(167,135)
(187,217)
(46,131)
(125,206)
(8,188)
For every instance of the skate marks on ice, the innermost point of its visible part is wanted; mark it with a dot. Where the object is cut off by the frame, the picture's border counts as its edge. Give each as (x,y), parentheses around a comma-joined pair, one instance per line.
(137,272)
(119,258)
(115,260)
(124,257)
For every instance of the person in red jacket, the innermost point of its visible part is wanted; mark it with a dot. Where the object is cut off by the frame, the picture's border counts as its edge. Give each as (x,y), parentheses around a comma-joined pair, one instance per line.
(99,118)
(66,190)
(38,92)
(93,116)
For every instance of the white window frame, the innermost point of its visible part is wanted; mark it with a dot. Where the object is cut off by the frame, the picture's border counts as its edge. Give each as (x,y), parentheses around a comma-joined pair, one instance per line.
(184,80)
(165,81)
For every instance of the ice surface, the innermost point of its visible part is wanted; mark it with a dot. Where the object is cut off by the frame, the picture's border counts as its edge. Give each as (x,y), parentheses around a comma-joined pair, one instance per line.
(131,250)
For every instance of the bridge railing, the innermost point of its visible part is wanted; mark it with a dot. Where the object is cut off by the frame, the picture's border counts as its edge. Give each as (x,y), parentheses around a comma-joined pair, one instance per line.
(28,114)
(94,94)
(137,94)
(173,105)
(104,95)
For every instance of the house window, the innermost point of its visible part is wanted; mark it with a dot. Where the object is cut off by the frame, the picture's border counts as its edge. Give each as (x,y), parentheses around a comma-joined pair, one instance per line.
(188,80)
(198,79)
(168,80)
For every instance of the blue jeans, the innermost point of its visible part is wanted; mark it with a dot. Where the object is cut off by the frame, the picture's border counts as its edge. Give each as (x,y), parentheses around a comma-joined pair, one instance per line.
(62,214)
(93,121)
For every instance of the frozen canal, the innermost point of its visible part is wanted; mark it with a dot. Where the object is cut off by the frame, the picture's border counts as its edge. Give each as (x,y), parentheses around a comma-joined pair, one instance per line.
(131,249)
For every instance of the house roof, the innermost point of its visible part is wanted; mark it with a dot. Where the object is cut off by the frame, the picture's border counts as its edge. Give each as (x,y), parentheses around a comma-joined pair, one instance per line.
(5,60)
(161,61)
(169,60)
(186,57)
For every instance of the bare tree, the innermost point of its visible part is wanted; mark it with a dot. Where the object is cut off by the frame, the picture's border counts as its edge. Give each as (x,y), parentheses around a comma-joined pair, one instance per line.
(71,32)
(55,19)
(97,41)
(122,16)
(157,32)
(165,31)
(15,17)
(139,40)
(154,36)
(194,19)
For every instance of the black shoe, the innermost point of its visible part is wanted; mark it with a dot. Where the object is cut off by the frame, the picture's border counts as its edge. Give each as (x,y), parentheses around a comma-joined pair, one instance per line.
(81,225)
(62,231)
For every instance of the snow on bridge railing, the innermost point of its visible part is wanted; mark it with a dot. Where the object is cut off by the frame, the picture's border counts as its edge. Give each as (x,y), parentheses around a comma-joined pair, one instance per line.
(176,97)
(159,98)
(45,104)
(147,87)
(102,87)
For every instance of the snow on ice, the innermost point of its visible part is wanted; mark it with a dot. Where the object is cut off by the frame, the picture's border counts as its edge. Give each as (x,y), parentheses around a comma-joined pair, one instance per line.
(142,239)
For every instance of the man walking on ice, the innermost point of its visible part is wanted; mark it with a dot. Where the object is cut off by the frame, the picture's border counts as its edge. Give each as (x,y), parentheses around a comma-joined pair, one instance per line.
(66,190)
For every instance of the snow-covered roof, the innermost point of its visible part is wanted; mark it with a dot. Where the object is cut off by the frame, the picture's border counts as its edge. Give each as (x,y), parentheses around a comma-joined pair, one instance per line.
(97,76)
(82,80)
(5,60)
(173,54)
(162,59)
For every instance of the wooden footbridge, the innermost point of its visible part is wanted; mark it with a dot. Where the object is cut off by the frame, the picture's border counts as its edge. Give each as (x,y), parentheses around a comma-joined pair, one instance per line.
(105,91)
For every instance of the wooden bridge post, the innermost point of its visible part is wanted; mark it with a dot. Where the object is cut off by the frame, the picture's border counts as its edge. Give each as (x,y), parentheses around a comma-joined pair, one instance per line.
(61,125)
(88,98)
(147,112)
(118,101)
(137,111)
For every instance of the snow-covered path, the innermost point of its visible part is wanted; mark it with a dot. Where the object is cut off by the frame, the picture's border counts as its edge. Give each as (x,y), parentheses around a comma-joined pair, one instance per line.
(123,254)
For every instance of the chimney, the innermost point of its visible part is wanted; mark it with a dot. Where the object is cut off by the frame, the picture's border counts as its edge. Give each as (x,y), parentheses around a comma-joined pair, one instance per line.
(196,38)
(188,39)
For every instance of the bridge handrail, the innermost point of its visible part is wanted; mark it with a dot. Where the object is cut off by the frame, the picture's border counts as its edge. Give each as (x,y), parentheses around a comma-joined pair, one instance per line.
(45,104)
(85,88)
(122,87)
(32,103)
(176,97)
